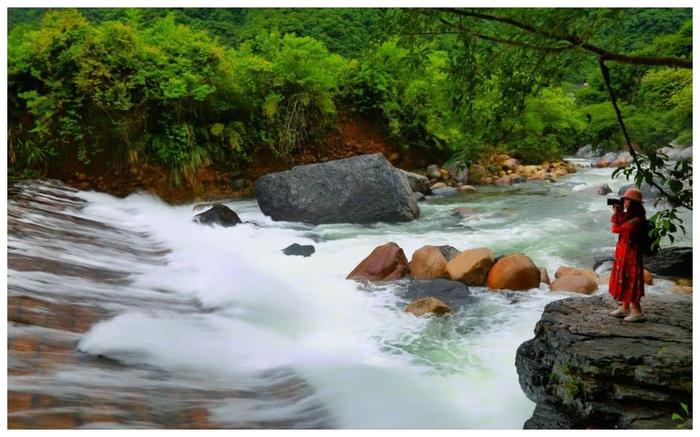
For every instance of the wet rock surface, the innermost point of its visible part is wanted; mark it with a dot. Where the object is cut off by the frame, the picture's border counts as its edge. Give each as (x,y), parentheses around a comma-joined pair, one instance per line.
(586,369)
(299,250)
(218,214)
(453,293)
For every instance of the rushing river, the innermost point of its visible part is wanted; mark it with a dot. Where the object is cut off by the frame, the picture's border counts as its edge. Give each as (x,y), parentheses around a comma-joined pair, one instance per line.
(260,339)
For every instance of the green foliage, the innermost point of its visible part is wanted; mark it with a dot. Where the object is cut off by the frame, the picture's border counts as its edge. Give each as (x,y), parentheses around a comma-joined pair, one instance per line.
(683,417)
(114,94)
(549,125)
(297,88)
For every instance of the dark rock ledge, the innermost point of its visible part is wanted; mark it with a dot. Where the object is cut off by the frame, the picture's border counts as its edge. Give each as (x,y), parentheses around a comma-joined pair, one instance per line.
(586,369)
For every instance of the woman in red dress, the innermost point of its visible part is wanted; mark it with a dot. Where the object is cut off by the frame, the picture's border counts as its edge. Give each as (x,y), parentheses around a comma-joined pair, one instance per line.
(627,276)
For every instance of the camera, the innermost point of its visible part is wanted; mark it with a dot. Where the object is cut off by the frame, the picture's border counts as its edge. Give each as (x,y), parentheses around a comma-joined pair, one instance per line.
(613,202)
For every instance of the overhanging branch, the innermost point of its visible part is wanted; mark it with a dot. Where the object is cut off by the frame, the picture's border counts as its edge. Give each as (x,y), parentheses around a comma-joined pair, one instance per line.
(576,42)
(606,77)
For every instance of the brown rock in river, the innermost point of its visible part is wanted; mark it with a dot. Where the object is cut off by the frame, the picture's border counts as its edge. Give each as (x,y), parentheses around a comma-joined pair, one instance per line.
(544,276)
(566,271)
(476,174)
(513,272)
(505,180)
(471,266)
(386,263)
(428,305)
(648,278)
(575,283)
(428,263)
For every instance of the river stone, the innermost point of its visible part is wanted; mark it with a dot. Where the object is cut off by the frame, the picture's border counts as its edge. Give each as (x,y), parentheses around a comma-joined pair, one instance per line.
(505,180)
(467,189)
(454,293)
(418,183)
(648,277)
(671,261)
(544,276)
(448,252)
(299,250)
(444,191)
(471,266)
(477,173)
(601,189)
(218,214)
(437,186)
(463,212)
(510,163)
(585,369)
(564,271)
(672,153)
(513,272)
(386,263)
(575,283)
(361,189)
(588,152)
(458,172)
(433,171)
(428,305)
(428,263)
(420,197)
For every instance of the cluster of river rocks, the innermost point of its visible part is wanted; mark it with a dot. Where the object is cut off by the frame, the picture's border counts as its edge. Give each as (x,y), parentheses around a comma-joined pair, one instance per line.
(622,159)
(473,267)
(499,169)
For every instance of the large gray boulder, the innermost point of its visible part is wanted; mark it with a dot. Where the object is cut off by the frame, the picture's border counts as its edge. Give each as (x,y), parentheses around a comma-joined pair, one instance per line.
(361,189)
(587,369)
(588,151)
(675,154)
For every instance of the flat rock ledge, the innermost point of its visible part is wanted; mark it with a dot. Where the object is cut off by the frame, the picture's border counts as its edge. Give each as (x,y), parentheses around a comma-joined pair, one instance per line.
(587,369)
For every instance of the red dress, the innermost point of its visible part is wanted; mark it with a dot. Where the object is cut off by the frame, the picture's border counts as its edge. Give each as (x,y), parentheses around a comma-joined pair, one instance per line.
(627,276)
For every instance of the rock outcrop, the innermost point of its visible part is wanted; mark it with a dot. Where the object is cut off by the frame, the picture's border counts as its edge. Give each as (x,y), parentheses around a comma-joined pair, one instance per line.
(671,261)
(386,263)
(586,369)
(361,189)
(676,262)
(218,214)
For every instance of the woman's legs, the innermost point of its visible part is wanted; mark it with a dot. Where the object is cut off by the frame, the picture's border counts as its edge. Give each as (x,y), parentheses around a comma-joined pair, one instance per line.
(636,307)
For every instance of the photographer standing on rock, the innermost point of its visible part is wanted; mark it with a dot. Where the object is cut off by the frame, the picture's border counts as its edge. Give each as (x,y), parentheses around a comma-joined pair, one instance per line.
(627,276)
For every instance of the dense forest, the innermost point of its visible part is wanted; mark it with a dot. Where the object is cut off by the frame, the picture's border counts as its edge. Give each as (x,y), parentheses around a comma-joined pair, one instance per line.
(186,88)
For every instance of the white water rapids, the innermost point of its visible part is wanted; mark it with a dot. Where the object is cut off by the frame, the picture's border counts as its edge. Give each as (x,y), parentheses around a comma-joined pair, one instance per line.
(226,305)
